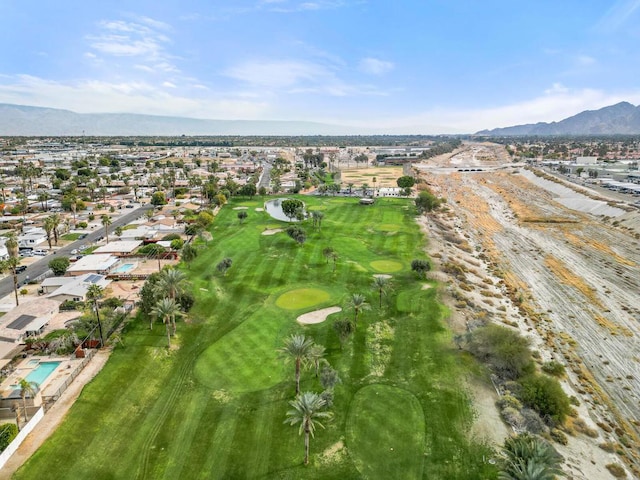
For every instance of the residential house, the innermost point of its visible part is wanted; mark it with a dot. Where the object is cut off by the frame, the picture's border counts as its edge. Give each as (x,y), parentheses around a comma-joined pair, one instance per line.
(96,263)
(74,289)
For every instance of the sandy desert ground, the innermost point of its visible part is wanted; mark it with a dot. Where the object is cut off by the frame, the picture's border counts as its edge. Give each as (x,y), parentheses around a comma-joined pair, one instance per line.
(524,251)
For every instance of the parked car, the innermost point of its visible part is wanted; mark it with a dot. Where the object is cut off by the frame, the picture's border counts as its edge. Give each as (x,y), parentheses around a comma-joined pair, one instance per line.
(40,253)
(21,268)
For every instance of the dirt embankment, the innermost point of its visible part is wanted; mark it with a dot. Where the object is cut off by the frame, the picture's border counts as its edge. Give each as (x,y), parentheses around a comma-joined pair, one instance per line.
(568,280)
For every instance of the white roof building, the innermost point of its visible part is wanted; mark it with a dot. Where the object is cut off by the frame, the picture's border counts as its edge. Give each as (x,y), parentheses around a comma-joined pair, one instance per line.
(72,288)
(95,263)
(119,247)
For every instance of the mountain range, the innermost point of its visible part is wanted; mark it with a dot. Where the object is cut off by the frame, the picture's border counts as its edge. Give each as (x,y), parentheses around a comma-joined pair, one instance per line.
(622,119)
(21,120)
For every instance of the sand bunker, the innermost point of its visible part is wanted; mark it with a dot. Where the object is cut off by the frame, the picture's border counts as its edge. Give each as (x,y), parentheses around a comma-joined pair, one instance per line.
(259,209)
(317,316)
(272,231)
(241,208)
(382,275)
(426,286)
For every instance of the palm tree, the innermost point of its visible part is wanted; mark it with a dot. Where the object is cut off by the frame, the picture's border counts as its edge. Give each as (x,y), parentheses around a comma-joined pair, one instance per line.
(166,309)
(94,293)
(374,185)
(358,303)
(297,347)
(171,283)
(381,284)
(526,457)
(48,228)
(55,223)
(307,409)
(12,244)
(106,221)
(11,265)
(316,355)
(344,328)
(27,388)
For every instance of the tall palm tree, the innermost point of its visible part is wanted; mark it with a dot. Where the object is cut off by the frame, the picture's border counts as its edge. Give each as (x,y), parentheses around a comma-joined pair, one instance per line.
(381,285)
(171,283)
(297,347)
(12,244)
(48,228)
(106,221)
(358,303)
(27,388)
(307,409)
(55,222)
(11,265)
(95,293)
(526,457)
(166,309)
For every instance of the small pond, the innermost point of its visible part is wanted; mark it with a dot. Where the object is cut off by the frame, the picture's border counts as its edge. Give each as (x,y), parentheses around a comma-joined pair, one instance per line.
(274,208)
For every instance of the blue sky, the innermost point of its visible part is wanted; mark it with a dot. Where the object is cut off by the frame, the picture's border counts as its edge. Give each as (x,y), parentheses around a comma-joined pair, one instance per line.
(430,66)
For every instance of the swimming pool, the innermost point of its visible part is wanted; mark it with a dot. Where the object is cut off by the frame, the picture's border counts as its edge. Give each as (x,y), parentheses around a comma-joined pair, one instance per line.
(125,268)
(41,372)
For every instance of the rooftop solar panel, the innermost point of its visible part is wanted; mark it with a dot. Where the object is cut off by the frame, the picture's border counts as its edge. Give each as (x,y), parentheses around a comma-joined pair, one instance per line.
(21,322)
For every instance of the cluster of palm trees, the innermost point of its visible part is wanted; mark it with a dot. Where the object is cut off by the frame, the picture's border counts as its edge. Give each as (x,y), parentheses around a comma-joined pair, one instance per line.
(12,262)
(170,285)
(309,408)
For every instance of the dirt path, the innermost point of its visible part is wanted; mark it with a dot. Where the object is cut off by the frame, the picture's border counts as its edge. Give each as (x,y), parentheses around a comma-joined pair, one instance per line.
(55,415)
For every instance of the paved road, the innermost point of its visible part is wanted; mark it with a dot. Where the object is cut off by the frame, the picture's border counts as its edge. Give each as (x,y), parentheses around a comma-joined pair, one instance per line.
(38,268)
(265,178)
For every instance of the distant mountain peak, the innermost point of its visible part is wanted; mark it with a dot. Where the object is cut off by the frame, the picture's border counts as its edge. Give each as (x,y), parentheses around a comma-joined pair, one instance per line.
(623,118)
(24,120)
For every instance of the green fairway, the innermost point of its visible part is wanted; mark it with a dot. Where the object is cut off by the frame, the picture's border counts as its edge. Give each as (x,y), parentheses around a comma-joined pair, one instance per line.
(386,433)
(214,406)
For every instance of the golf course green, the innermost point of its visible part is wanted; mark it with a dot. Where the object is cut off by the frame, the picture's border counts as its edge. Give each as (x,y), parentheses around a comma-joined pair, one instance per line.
(214,406)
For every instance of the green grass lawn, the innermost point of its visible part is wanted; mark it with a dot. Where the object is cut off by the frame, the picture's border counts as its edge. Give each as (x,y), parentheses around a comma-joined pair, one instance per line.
(71,236)
(214,407)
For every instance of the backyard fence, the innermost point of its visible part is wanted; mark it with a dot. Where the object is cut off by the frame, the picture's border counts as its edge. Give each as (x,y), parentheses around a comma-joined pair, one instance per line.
(47,401)
(26,430)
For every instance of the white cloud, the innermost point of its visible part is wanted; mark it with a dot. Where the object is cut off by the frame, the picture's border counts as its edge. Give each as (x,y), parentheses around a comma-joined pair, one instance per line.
(134,97)
(278,73)
(143,39)
(585,60)
(557,103)
(374,66)
(169,85)
(297,77)
(555,89)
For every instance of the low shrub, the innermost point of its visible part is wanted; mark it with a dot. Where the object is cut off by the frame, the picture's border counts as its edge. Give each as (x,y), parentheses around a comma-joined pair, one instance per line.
(504,349)
(545,395)
(553,368)
(616,470)
(509,401)
(8,432)
(532,422)
(512,416)
(558,436)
